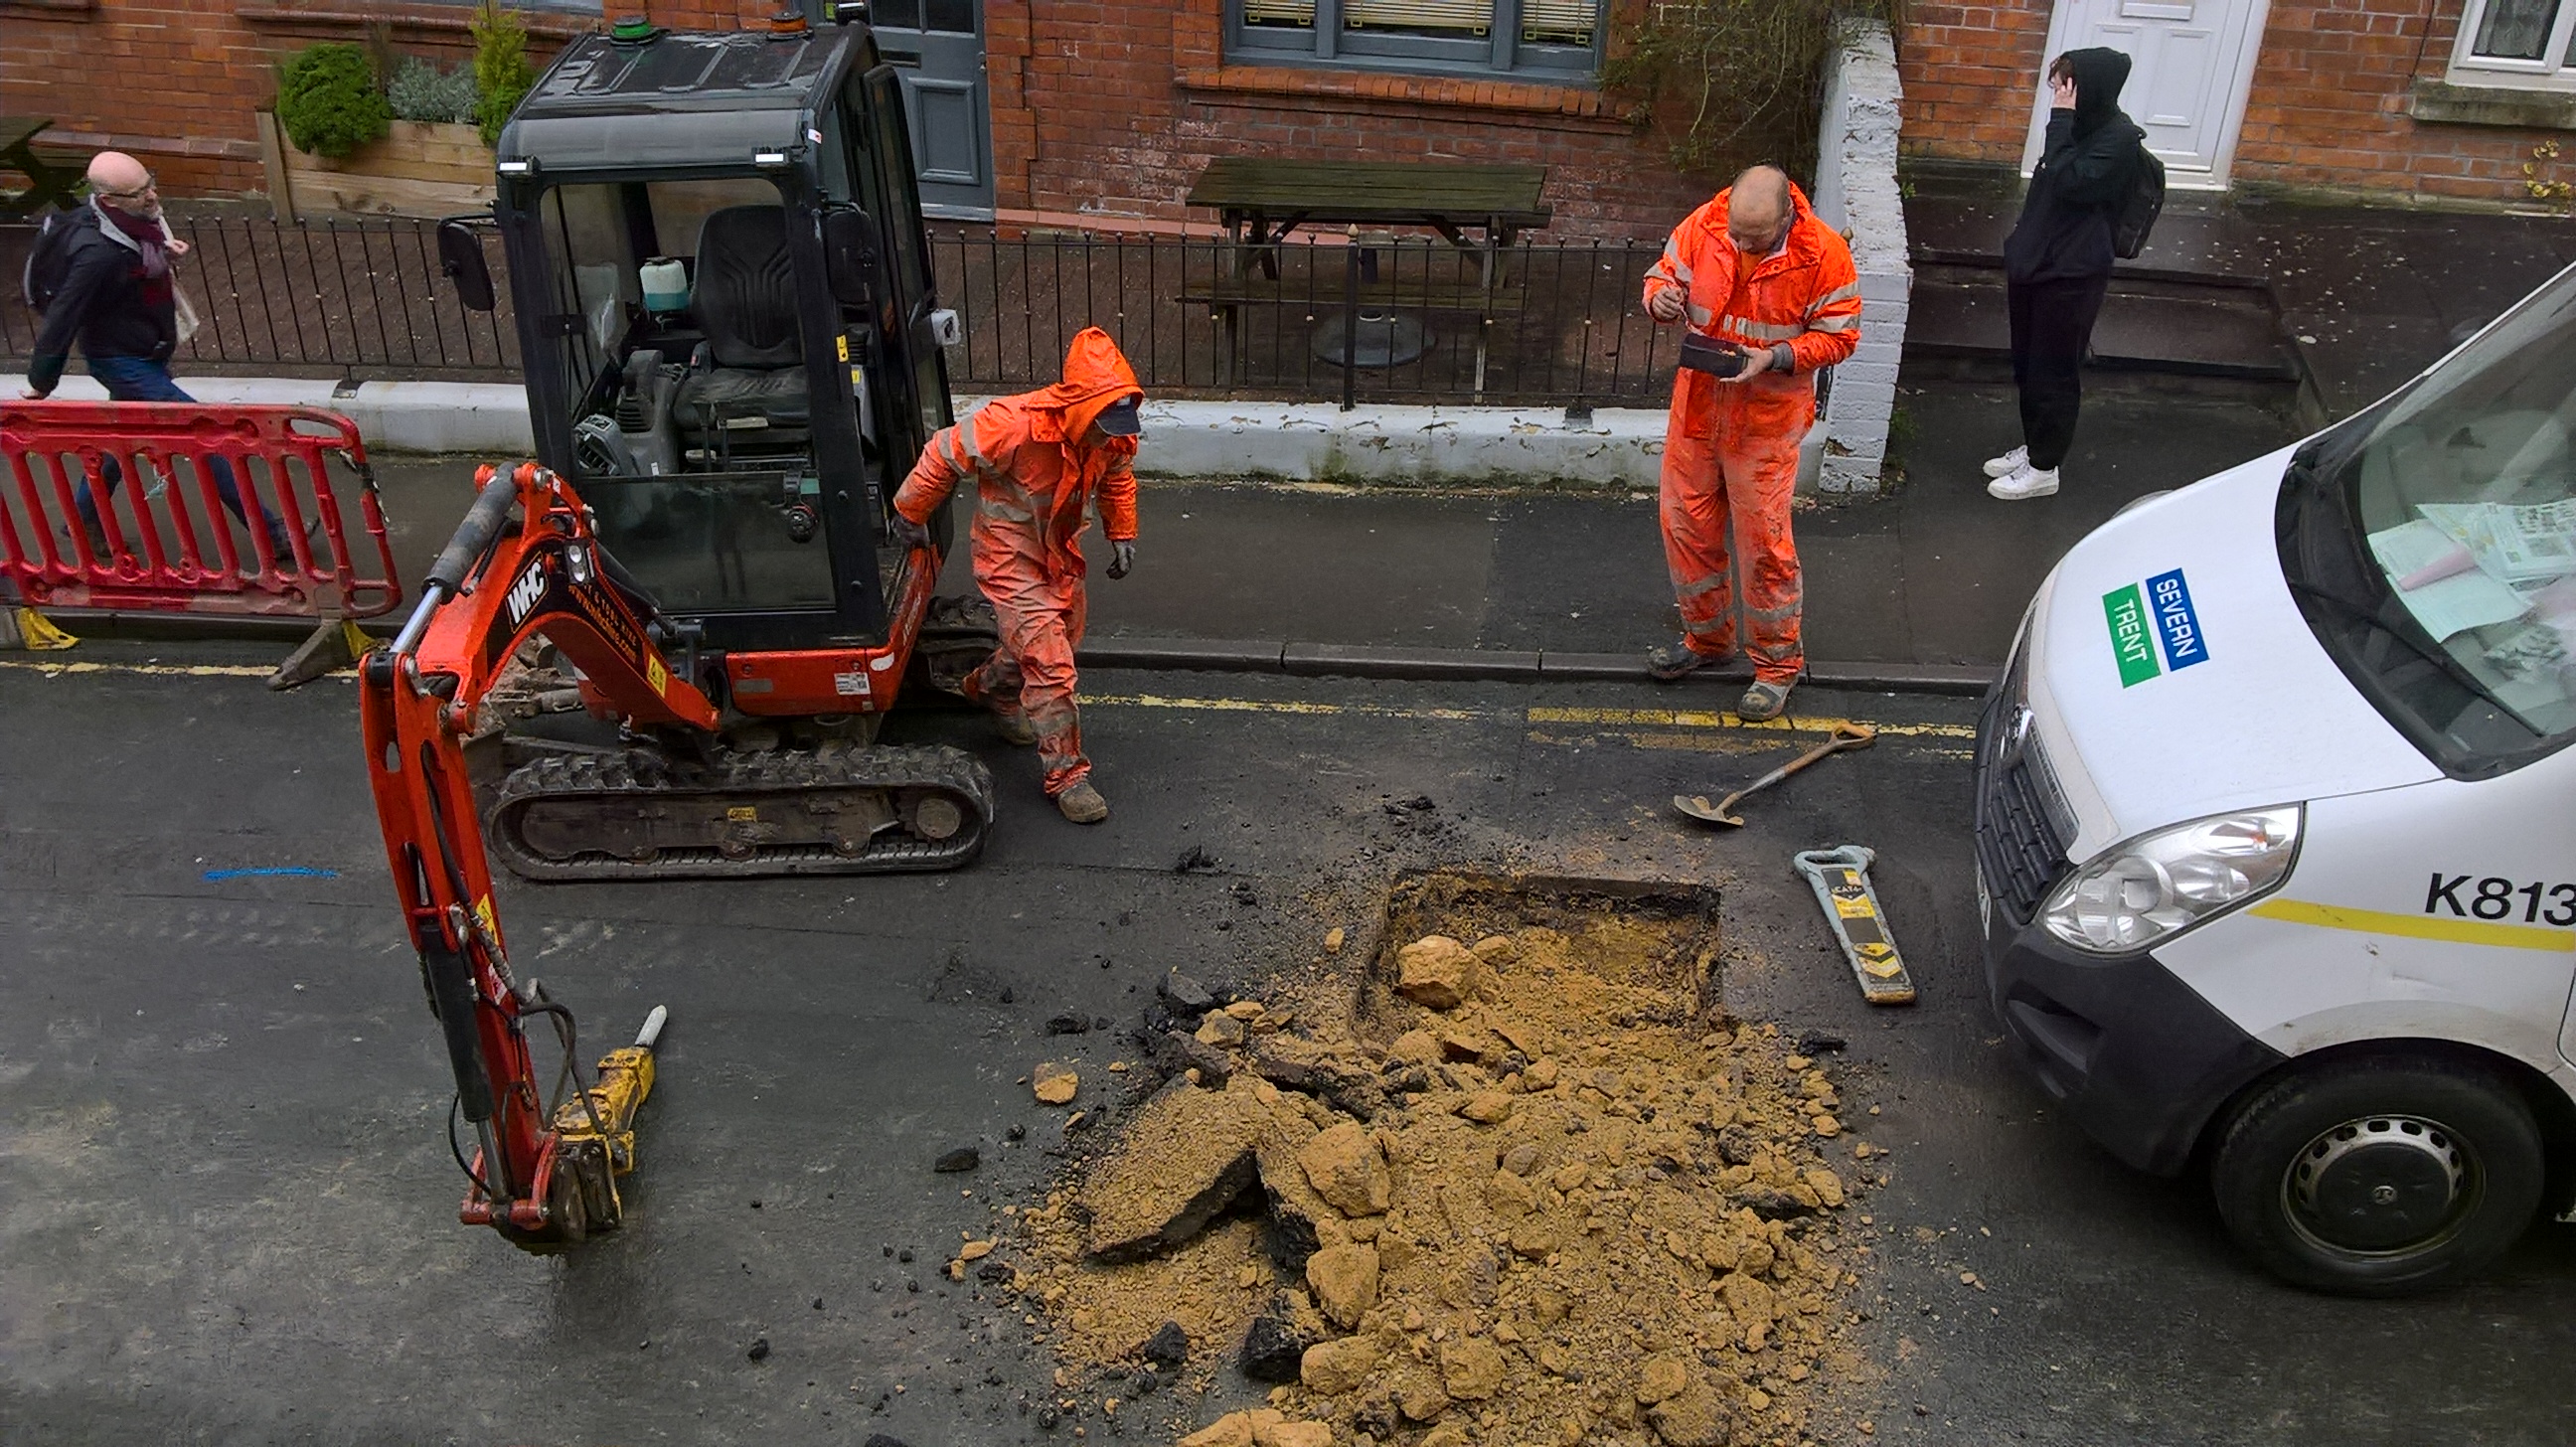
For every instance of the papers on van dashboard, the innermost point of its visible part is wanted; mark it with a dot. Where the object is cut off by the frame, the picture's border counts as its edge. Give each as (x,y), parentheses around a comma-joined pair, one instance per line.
(2531,543)
(2450,602)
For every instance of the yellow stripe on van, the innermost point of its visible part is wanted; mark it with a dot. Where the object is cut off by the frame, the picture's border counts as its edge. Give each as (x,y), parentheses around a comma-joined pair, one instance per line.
(2418,926)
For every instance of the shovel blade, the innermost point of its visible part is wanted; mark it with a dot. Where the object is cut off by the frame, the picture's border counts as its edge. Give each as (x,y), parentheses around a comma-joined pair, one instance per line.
(1698,807)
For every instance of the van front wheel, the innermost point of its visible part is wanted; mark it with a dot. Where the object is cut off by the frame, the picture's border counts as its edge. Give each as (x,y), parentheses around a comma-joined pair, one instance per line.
(2378,1177)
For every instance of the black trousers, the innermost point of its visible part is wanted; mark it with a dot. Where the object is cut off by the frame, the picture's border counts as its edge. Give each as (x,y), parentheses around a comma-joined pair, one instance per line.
(2052,325)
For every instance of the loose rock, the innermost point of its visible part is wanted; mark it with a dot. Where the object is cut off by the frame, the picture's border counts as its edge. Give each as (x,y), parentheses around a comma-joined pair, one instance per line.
(1190,1153)
(1054,1084)
(1344,1280)
(1471,1371)
(1184,996)
(1167,1348)
(1274,1346)
(1333,1368)
(964,1158)
(1436,971)
(1696,1417)
(1347,1169)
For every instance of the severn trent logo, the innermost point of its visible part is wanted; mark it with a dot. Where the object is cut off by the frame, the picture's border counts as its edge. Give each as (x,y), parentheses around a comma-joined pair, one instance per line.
(2143,616)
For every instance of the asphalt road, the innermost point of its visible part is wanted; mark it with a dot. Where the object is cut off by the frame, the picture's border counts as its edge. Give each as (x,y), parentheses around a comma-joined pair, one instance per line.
(227,1213)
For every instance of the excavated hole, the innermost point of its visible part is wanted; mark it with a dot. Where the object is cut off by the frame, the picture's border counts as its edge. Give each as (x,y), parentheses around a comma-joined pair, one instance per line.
(1510,1174)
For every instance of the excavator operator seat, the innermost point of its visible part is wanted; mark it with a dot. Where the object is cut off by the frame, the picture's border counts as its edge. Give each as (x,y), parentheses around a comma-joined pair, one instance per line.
(744,299)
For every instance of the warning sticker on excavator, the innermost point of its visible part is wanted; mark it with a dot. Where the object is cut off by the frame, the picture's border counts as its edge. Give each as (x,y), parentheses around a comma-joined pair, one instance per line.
(656,675)
(742,814)
(851,683)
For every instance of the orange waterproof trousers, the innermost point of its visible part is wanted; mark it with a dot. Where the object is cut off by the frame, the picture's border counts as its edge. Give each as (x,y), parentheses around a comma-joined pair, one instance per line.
(1737,483)
(1032,673)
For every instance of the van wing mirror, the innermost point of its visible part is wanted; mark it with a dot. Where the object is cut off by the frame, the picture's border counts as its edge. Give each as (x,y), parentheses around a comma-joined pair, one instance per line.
(850,246)
(460,260)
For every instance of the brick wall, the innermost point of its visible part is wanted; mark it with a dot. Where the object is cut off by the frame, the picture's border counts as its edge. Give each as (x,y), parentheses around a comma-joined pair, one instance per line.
(2329,107)
(1104,108)
(178,81)
(1110,107)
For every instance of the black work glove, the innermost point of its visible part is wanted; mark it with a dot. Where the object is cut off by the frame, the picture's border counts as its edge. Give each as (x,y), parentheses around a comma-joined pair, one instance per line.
(1122,556)
(911,534)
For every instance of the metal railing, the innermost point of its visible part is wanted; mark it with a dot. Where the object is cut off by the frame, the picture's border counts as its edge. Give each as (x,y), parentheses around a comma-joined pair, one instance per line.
(1415,319)
(348,297)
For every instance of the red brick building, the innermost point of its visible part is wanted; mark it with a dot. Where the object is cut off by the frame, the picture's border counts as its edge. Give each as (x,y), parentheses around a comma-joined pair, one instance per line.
(2394,99)
(1101,110)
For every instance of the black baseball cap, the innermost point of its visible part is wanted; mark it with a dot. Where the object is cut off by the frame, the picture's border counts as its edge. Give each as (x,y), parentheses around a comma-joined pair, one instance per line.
(1119,418)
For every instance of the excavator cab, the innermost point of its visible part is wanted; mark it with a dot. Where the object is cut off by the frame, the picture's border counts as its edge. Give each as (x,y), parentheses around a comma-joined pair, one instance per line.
(730,331)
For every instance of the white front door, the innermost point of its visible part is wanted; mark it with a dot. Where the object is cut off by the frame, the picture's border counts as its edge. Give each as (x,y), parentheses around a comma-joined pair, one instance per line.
(2191,62)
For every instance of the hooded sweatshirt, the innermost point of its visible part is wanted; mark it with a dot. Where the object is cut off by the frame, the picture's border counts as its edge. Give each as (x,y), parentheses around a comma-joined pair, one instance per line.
(2086,166)
(1038,470)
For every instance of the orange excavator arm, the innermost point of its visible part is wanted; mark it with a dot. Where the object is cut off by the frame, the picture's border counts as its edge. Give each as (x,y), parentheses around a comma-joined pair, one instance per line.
(544,1172)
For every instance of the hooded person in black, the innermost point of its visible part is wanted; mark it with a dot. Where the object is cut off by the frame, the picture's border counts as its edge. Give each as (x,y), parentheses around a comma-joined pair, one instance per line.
(2057,262)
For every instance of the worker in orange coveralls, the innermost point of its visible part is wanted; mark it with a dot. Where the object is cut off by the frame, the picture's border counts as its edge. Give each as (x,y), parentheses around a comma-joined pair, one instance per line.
(1755,270)
(1041,462)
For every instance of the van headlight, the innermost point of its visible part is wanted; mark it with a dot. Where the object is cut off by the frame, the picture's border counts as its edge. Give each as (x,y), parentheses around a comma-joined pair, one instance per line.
(2139,892)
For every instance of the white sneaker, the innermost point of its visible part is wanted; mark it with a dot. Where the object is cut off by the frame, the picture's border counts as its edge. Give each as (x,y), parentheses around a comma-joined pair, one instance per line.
(2008,464)
(2025,483)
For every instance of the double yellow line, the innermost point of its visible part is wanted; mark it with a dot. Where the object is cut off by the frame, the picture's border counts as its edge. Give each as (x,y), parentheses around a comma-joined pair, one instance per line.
(1694,729)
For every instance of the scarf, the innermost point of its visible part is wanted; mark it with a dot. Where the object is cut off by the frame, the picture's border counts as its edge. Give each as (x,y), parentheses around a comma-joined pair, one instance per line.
(149,240)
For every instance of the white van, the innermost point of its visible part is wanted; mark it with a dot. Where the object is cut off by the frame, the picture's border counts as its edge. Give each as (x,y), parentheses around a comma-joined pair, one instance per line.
(2276,829)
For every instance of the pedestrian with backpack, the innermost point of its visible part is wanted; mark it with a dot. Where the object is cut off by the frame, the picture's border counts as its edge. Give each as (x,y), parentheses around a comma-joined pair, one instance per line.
(100,277)
(2057,262)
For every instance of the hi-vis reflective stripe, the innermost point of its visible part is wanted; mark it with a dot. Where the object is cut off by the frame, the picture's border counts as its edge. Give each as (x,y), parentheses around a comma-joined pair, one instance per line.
(2418,927)
(1840,293)
(1835,324)
(1762,331)
(1678,269)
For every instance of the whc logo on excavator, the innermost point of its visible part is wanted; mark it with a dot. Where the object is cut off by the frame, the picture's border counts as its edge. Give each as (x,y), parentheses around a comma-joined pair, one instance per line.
(525,590)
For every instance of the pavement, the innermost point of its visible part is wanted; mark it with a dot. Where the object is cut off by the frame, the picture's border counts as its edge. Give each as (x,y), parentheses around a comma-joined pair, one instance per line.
(1933,576)
(227,1211)
(2363,297)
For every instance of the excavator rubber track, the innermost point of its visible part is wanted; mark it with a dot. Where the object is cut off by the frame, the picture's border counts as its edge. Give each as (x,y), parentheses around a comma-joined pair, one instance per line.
(844,810)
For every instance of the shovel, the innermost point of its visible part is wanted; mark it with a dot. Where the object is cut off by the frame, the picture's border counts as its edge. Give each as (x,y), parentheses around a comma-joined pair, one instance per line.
(1844,736)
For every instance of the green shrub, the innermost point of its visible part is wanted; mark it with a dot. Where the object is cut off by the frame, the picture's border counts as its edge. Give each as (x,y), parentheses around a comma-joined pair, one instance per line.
(1729,83)
(420,91)
(328,102)
(502,74)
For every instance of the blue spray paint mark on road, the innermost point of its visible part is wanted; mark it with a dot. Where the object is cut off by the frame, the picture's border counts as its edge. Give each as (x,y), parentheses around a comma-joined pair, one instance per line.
(275,871)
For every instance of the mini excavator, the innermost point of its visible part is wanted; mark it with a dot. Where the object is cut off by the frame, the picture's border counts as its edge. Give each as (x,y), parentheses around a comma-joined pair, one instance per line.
(721,286)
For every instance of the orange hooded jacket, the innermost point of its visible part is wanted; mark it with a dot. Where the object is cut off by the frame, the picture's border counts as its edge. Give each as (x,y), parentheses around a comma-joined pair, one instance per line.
(1808,296)
(1034,478)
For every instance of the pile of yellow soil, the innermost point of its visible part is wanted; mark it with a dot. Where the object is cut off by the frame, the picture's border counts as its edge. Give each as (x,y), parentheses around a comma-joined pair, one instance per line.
(1580,1208)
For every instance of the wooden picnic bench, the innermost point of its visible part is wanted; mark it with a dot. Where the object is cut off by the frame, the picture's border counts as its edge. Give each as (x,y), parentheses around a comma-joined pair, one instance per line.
(53,173)
(1478,210)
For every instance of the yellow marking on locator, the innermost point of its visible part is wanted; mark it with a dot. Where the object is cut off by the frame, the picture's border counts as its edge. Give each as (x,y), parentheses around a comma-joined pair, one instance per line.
(2418,926)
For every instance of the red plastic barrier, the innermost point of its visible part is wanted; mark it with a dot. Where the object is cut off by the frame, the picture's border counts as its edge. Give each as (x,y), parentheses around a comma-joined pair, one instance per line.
(165,539)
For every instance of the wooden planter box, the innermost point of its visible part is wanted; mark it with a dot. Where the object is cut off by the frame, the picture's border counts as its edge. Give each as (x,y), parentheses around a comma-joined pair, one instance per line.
(420,168)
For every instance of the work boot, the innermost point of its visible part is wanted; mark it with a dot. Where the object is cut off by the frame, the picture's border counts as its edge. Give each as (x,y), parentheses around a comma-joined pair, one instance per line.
(1013,726)
(2027,482)
(1082,804)
(1763,702)
(2008,464)
(1668,661)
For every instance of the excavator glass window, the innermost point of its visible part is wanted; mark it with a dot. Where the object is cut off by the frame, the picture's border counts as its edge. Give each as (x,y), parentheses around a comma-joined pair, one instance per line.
(675,306)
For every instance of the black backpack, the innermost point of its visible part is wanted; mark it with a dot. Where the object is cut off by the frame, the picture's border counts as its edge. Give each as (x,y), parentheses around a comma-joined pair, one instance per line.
(2140,207)
(49,257)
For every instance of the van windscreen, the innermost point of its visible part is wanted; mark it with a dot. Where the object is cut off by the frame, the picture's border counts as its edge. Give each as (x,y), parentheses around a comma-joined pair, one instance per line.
(2431,542)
